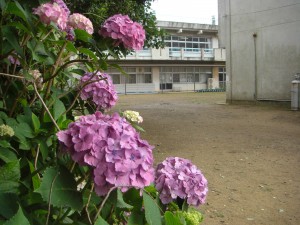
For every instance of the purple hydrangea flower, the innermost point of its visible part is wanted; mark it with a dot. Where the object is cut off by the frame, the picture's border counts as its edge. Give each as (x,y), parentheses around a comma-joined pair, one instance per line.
(78,21)
(49,12)
(63,5)
(100,88)
(14,60)
(113,148)
(178,177)
(124,31)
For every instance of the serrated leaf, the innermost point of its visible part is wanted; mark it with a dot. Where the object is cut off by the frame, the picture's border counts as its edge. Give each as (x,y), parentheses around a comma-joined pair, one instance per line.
(9,177)
(100,221)
(18,218)
(152,212)
(58,187)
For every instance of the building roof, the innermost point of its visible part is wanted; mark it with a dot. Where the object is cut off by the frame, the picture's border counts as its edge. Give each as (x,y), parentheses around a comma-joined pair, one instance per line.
(182,27)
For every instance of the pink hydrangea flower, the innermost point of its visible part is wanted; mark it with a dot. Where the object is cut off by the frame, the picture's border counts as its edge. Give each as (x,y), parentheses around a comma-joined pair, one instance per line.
(100,89)
(113,148)
(63,5)
(52,12)
(124,31)
(178,177)
(78,21)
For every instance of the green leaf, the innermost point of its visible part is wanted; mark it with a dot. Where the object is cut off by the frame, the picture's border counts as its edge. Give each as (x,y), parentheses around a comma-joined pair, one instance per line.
(82,35)
(38,51)
(100,221)
(19,25)
(8,205)
(43,147)
(23,129)
(7,155)
(2,5)
(59,188)
(18,218)
(132,197)
(88,53)
(135,218)
(5,144)
(171,219)
(120,201)
(16,9)
(35,179)
(58,109)
(71,48)
(11,36)
(9,177)
(152,212)
(36,122)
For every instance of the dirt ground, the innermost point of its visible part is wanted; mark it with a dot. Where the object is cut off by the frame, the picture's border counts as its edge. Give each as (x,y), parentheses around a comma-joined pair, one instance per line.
(249,154)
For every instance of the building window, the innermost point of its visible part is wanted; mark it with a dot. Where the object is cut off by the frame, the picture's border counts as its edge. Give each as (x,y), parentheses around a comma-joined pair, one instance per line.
(131,79)
(116,78)
(187,74)
(176,78)
(222,77)
(192,44)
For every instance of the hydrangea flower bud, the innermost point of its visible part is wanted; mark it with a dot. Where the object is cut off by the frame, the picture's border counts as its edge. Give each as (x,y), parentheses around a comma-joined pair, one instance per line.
(124,31)
(133,116)
(178,177)
(6,130)
(113,148)
(78,21)
(99,87)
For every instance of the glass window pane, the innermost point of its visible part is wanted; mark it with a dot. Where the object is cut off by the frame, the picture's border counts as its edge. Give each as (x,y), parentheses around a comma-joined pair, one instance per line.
(183,78)
(196,77)
(116,78)
(176,78)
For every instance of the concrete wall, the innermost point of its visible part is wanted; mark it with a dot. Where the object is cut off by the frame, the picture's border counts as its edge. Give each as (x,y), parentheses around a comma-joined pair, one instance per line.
(262,40)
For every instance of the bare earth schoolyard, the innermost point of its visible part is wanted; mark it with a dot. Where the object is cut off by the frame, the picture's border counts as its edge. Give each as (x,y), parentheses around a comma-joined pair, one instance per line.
(249,154)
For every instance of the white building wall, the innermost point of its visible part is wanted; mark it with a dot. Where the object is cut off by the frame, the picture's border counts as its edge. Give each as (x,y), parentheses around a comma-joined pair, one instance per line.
(262,40)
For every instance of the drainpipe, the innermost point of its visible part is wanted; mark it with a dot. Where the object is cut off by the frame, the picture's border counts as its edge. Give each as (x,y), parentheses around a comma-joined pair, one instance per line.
(255,66)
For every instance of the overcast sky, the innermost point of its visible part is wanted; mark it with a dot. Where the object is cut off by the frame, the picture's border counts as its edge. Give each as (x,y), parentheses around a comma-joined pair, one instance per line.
(192,11)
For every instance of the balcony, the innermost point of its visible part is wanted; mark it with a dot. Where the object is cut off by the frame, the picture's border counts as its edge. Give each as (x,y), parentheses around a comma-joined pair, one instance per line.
(167,53)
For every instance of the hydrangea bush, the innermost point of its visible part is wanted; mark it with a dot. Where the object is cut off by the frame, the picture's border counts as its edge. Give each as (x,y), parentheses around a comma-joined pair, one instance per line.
(65,157)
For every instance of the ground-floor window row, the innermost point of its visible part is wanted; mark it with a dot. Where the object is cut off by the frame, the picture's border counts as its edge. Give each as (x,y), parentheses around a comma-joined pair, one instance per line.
(137,75)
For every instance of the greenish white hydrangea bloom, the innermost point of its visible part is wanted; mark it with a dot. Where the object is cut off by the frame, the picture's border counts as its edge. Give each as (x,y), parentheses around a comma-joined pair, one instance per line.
(193,217)
(133,116)
(6,130)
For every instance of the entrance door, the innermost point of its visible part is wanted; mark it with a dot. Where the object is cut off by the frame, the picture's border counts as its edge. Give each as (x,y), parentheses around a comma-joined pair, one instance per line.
(165,82)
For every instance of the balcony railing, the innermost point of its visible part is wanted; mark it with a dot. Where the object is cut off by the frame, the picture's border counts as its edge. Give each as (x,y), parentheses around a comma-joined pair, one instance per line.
(179,54)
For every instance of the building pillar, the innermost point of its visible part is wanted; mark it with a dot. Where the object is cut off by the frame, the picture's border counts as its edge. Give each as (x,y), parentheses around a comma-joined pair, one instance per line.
(215,75)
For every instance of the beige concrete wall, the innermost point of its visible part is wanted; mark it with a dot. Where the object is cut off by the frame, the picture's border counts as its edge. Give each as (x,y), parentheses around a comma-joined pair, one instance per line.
(155,78)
